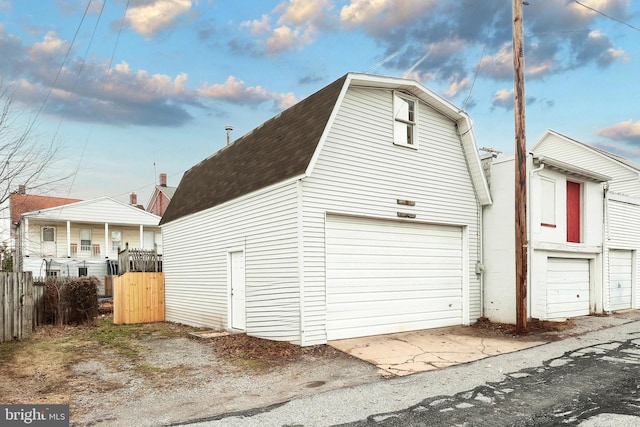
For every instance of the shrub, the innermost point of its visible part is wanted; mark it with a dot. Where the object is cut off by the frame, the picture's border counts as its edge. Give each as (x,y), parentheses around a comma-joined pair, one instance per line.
(71,300)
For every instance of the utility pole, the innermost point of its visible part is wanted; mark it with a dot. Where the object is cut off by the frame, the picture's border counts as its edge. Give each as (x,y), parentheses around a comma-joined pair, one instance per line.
(521,170)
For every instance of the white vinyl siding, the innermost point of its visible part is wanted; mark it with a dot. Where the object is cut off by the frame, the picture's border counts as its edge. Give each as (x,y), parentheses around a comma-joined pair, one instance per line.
(623,233)
(361,172)
(623,179)
(568,282)
(620,279)
(196,259)
(390,276)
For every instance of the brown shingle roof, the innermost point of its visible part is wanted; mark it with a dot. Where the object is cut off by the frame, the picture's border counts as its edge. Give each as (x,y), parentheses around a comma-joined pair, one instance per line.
(21,203)
(280,148)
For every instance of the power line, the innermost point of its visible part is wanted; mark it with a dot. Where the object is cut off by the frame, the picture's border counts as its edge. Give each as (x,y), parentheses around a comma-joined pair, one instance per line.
(477,70)
(620,21)
(66,56)
(106,77)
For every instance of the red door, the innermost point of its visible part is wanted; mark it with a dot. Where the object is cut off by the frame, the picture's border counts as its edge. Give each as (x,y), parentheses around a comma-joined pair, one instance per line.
(573,212)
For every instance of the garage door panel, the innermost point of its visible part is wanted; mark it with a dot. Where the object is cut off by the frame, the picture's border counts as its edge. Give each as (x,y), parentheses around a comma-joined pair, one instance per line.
(389,276)
(361,327)
(414,315)
(393,296)
(568,286)
(383,284)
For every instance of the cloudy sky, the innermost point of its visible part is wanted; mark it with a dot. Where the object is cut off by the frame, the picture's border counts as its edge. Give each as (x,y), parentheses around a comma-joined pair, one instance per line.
(135,88)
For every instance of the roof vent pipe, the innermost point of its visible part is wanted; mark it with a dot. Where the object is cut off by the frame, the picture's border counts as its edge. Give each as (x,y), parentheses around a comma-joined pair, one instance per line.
(228,128)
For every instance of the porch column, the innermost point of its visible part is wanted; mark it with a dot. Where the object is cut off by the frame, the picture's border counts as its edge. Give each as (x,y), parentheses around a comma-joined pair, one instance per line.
(141,236)
(68,239)
(107,246)
(25,237)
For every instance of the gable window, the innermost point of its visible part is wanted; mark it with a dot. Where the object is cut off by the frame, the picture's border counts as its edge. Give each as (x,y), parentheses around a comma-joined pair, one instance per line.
(574,191)
(48,234)
(548,205)
(85,239)
(404,121)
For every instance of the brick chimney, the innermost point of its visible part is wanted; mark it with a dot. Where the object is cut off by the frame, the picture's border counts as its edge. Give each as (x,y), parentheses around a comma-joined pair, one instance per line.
(133,199)
(163,179)
(22,189)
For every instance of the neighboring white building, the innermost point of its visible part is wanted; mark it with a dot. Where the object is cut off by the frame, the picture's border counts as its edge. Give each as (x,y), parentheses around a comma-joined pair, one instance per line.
(80,238)
(565,214)
(622,214)
(355,212)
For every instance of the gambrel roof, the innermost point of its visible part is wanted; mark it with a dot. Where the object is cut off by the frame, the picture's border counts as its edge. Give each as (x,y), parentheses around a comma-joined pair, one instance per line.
(287,146)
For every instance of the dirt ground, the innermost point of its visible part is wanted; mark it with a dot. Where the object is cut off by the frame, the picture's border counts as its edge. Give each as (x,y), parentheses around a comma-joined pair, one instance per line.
(153,374)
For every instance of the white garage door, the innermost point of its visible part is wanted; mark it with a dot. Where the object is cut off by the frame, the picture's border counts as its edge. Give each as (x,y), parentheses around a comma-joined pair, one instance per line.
(567,287)
(620,278)
(389,276)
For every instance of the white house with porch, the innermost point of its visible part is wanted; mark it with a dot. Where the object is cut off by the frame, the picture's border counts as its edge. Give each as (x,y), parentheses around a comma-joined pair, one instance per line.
(82,238)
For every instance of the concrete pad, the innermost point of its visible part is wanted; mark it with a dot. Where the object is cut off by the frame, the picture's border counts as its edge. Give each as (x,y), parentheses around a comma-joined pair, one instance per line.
(410,352)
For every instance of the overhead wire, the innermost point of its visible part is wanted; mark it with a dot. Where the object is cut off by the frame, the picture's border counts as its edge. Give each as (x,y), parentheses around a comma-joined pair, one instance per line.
(620,21)
(66,57)
(104,82)
(477,68)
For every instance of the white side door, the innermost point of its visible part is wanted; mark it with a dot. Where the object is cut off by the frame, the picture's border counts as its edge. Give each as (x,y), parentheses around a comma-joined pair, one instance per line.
(237,281)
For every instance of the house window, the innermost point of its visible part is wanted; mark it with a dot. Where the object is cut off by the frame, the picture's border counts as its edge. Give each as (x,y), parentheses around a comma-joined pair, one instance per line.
(53,273)
(116,241)
(574,191)
(48,234)
(404,121)
(548,205)
(83,271)
(85,239)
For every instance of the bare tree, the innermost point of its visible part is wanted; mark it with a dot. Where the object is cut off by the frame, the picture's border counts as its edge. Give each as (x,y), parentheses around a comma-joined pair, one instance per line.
(24,161)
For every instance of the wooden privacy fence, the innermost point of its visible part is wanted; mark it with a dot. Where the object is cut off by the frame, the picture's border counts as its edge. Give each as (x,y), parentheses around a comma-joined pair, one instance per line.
(138,298)
(20,304)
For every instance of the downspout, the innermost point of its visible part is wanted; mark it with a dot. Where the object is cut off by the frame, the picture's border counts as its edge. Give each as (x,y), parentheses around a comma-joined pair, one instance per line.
(301,281)
(529,248)
(605,248)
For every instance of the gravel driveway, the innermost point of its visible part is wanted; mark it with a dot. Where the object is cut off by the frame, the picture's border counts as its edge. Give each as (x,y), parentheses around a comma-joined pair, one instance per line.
(186,380)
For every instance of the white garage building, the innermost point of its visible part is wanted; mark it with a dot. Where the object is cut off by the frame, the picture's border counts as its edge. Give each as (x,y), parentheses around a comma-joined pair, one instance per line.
(583,234)
(355,212)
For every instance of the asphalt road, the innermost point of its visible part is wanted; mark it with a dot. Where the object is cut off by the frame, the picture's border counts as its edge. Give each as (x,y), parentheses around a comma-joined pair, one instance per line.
(590,380)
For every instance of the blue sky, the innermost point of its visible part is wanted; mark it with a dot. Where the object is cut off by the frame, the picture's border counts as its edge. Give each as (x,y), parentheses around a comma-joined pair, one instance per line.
(133,89)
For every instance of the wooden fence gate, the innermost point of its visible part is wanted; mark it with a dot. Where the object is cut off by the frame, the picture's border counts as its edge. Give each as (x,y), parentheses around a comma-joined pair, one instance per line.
(17,298)
(138,298)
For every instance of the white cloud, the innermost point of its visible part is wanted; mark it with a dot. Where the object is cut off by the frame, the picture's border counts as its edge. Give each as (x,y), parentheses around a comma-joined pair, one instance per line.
(235,90)
(257,26)
(500,65)
(503,99)
(51,45)
(303,12)
(626,130)
(148,18)
(299,22)
(381,15)
(281,39)
(456,86)
(601,5)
